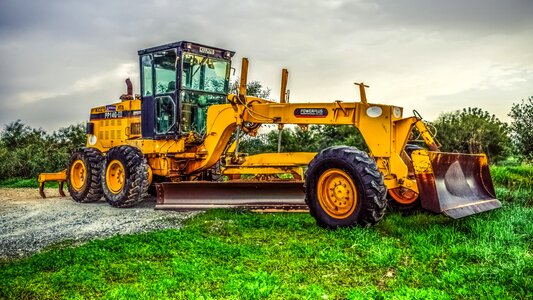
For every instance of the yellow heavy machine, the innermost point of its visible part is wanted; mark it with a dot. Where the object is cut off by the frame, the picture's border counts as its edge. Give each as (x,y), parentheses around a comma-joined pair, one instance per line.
(182,133)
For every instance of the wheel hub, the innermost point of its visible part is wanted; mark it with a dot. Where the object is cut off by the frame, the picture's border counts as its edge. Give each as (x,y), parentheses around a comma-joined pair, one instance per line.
(77,175)
(115,176)
(337,194)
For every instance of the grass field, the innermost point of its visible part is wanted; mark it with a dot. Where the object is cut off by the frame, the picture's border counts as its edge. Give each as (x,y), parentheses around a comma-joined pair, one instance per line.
(26,183)
(234,254)
(23,183)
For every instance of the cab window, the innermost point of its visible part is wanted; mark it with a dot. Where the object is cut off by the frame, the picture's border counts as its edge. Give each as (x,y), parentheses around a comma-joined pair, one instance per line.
(165,71)
(147,78)
(202,73)
(165,114)
(194,107)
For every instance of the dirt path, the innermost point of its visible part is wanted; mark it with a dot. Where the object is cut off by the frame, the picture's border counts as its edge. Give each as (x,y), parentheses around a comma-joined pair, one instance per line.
(29,223)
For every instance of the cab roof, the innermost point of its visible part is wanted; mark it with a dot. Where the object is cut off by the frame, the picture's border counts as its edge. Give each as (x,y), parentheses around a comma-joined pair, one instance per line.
(182,45)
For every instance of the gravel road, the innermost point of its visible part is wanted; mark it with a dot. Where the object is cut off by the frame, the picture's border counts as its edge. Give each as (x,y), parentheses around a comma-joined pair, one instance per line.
(28,223)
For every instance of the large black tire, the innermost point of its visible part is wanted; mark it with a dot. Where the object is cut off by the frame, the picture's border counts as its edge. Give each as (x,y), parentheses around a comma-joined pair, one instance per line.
(135,178)
(88,188)
(362,172)
(405,208)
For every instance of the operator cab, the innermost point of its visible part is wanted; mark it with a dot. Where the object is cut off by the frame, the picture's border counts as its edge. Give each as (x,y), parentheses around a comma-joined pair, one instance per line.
(179,81)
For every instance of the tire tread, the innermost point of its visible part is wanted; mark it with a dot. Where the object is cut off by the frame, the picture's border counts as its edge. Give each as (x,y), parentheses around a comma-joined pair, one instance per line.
(374,202)
(136,184)
(93,159)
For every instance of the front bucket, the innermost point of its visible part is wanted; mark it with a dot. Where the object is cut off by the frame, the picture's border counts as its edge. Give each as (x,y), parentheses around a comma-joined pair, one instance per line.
(280,195)
(457,185)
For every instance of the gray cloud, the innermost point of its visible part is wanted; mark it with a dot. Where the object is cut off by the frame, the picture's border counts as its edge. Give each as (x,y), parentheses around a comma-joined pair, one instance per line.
(468,16)
(59,58)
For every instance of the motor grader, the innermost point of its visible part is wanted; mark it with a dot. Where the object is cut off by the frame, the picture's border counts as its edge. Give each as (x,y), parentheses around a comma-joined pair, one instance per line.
(182,136)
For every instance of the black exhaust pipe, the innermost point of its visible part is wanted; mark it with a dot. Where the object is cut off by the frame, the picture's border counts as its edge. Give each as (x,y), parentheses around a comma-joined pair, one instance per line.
(129,92)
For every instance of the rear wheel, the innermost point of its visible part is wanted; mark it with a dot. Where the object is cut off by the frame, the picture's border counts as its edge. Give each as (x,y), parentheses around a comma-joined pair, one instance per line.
(343,188)
(83,175)
(125,176)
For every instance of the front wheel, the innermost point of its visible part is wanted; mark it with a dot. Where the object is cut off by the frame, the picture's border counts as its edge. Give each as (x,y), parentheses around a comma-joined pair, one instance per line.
(125,176)
(344,188)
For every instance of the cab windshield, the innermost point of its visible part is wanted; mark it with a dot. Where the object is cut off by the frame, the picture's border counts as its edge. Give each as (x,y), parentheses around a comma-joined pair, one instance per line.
(205,74)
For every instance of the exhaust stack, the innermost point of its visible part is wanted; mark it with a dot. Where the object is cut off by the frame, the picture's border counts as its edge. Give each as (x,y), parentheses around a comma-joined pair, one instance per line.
(129,91)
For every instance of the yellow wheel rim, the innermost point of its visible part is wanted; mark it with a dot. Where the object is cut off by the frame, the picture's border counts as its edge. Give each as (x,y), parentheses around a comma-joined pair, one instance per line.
(115,176)
(78,174)
(337,194)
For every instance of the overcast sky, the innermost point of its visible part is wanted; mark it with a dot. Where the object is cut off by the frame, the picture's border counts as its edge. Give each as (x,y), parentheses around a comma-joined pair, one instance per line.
(60,58)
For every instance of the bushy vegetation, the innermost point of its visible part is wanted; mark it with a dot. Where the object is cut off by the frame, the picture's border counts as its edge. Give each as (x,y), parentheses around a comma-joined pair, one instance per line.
(473,130)
(522,128)
(236,254)
(313,139)
(253,88)
(25,152)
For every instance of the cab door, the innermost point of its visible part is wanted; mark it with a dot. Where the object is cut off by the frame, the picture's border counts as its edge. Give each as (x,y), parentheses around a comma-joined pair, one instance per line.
(159,96)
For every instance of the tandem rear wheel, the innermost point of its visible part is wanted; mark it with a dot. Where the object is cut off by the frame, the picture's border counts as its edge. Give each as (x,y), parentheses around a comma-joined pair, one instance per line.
(125,176)
(344,188)
(83,175)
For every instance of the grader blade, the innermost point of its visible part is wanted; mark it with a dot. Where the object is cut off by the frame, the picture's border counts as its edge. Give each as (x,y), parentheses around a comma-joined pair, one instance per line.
(456,185)
(250,195)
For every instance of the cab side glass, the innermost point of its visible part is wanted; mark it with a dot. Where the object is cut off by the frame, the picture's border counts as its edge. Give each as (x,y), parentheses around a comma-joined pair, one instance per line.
(164,114)
(147,76)
(165,71)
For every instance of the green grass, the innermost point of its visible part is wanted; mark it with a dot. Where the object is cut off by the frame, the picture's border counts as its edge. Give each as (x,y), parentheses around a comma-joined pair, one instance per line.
(235,254)
(25,183)
(19,183)
(513,177)
(514,184)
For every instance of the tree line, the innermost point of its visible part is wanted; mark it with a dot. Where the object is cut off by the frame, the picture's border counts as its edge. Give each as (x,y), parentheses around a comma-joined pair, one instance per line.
(25,151)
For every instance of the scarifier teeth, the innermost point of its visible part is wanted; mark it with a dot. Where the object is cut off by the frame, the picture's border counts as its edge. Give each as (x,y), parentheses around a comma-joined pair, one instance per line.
(61,193)
(60,189)
(41,190)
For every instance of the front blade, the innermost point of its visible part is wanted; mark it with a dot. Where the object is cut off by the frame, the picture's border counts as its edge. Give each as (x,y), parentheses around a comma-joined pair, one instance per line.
(251,195)
(454,184)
